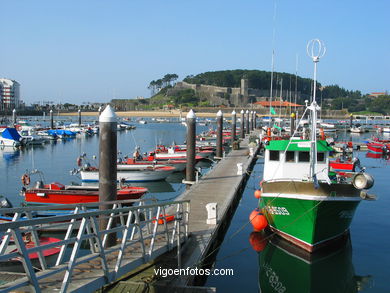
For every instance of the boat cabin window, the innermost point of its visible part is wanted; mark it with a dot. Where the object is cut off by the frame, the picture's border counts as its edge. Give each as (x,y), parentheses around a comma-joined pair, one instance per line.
(303,157)
(274,155)
(321,157)
(290,156)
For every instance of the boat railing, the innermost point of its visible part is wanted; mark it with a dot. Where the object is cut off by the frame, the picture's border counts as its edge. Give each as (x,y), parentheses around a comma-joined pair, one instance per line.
(112,241)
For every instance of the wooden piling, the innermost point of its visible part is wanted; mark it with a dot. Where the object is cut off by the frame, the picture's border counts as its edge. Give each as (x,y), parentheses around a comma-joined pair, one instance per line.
(51,120)
(234,127)
(242,129)
(219,133)
(191,133)
(107,164)
(247,130)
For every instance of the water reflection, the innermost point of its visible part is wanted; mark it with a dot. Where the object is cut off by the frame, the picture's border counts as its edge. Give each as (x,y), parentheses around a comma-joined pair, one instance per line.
(287,268)
(9,154)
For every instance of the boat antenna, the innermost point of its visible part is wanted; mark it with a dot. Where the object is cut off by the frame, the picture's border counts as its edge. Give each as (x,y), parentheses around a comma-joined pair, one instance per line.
(272,65)
(315,50)
(296,82)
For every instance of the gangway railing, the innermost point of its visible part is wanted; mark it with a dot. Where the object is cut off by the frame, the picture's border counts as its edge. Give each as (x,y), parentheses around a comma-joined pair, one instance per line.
(83,260)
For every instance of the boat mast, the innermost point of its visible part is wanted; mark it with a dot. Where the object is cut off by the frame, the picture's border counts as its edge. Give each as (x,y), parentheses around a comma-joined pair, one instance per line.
(272,65)
(316,50)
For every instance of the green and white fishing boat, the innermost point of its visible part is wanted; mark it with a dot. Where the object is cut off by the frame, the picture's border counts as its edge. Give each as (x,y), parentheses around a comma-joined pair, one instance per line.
(303,201)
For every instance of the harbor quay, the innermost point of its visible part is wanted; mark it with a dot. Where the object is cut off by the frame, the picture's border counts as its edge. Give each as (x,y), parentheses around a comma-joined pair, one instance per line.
(110,245)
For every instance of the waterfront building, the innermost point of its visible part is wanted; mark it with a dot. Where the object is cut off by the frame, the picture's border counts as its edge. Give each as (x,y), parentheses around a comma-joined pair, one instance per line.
(9,94)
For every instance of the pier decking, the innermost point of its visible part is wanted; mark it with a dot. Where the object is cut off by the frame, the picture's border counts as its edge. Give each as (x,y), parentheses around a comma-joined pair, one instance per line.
(222,185)
(141,240)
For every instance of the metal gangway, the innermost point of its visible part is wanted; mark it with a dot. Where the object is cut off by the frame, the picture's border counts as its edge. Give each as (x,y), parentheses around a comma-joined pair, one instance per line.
(143,229)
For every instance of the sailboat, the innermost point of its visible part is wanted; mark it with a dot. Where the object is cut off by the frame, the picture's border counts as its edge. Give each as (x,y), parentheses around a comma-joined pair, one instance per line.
(303,201)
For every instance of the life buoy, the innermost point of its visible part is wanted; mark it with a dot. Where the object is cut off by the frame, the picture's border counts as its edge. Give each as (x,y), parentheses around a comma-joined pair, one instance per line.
(168,218)
(25,179)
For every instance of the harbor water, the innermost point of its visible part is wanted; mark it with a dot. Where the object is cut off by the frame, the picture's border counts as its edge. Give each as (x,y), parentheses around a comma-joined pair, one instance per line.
(362,264)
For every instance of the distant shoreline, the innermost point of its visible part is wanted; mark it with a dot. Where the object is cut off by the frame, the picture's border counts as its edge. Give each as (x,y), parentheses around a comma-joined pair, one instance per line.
(173,113)
(176,113)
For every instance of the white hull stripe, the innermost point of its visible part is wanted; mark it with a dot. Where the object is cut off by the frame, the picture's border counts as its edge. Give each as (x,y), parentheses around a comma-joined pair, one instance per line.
(306,243)
(311,197)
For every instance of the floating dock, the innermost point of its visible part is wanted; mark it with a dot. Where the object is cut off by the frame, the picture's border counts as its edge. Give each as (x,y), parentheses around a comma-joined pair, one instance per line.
(222,186)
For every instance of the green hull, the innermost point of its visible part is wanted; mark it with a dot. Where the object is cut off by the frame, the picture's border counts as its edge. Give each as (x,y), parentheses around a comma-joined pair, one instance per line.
(308,219)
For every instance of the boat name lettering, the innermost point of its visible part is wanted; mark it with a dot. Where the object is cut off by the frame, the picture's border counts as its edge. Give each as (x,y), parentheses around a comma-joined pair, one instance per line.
(346,214)
(305,144)
(278,211)
(273,279)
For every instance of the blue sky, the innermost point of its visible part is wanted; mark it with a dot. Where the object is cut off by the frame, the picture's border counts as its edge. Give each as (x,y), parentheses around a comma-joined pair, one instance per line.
(79,51)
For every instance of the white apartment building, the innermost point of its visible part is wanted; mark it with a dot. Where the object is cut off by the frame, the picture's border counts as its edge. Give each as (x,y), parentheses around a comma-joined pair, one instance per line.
(9,94)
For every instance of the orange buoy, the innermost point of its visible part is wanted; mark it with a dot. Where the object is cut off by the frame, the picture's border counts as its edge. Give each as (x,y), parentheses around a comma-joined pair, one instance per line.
(168,218)
(322,134)
(258,241)
(269,131)
(257,193)
(258,220)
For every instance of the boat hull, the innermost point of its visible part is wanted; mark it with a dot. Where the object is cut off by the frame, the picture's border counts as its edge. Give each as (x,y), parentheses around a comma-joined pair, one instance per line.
(48,196)
(131,176)
(309,217)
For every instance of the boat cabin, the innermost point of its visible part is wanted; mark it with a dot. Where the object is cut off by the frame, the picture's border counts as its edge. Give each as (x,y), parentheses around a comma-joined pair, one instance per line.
(285,160)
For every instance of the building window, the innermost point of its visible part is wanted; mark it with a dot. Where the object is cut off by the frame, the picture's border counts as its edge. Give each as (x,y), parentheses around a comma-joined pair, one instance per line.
(290,156)
(303,157)
(321,157)
(274,155)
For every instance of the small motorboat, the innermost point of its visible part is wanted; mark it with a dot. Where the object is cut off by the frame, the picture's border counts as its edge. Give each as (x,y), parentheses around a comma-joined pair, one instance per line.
(91,174)
(10,137)
(15,264)
(378,147)
(345,165)
(57,193)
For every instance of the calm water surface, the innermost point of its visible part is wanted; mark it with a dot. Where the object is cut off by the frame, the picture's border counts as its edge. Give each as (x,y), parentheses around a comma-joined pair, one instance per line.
(57,158)
(363,264)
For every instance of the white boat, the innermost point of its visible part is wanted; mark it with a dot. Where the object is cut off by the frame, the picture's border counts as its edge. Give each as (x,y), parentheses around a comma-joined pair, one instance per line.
(357,129)
(24,126)
(386,129)
(140,175)
(34,139)
(9,137)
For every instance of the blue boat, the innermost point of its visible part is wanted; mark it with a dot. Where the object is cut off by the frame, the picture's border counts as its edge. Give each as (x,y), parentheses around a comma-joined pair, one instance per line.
(10,137)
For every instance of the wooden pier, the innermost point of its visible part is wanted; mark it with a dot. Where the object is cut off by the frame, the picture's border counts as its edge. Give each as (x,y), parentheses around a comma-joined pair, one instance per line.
(143,244)
(223,185)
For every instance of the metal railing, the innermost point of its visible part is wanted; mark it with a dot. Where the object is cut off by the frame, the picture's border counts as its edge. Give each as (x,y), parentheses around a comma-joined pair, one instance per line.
(142,232)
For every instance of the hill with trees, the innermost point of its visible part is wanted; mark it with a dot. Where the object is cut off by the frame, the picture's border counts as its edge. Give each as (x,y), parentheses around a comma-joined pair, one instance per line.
(332,97)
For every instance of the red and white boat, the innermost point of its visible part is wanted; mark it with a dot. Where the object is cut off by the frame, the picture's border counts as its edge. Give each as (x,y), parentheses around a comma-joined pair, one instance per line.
(91,174)
(151,162)
(348,165)
(180,153)
(16,265)
(378,147)
(57,193)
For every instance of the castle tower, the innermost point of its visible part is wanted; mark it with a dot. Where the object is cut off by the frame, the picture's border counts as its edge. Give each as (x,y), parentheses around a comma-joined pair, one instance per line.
(244,91)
